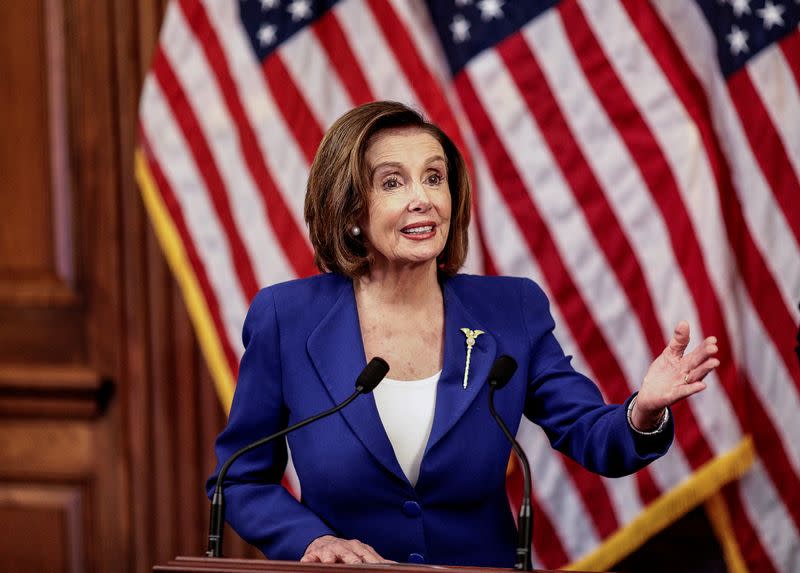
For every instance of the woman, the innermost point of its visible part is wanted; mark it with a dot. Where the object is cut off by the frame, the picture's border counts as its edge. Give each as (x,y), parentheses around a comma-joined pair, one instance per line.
(388,205)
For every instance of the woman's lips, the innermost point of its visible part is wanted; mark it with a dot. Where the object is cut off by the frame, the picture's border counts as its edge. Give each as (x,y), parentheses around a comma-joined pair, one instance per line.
(419,231)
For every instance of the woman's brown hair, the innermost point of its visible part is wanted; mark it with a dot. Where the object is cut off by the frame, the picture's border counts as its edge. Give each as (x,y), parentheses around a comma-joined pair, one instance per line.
(339,183)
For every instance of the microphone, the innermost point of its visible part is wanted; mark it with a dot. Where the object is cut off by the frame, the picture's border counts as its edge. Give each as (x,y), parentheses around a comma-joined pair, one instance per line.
(501,372)
(366,382)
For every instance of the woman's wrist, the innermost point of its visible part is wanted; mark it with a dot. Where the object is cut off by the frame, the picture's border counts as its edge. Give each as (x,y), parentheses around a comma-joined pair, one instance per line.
(646,422)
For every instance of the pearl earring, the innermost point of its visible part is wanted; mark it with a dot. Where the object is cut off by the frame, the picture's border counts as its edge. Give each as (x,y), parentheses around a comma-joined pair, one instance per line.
(356,230)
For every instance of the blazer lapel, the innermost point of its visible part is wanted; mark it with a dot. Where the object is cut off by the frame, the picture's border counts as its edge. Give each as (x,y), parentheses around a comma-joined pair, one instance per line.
(452,400)
(337,351)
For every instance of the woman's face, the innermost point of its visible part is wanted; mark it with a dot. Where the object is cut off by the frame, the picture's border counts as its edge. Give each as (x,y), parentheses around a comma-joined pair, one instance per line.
(409,199)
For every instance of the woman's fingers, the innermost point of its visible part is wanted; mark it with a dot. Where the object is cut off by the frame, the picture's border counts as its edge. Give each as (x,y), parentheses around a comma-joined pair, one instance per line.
(368,554)
(700,355)
(329,549)
(698,373)
(680,338)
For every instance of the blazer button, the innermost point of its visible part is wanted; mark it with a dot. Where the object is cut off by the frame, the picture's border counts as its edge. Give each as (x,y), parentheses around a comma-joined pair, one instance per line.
(416,558)
(412,509)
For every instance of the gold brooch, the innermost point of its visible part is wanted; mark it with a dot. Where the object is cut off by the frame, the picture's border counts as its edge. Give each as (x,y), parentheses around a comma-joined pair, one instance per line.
(471,335)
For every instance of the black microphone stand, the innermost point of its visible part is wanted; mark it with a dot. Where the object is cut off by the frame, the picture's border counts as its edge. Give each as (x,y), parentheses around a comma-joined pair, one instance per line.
(369,378)
(525,521)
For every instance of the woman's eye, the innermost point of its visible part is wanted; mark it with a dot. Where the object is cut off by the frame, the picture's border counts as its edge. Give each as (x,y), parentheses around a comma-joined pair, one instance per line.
(435,179)
(391,183)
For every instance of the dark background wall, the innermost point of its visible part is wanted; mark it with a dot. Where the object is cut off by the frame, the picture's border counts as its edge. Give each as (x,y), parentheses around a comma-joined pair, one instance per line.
(107,411)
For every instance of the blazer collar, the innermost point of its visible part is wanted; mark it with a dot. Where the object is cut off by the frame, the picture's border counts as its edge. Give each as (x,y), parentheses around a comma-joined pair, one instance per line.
(452,399)
(337,352)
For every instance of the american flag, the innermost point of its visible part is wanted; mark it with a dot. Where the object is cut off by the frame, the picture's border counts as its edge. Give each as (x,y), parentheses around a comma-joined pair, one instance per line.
(639,160)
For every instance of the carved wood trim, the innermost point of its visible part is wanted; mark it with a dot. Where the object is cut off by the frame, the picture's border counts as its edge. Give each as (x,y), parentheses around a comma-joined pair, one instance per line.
(47,391)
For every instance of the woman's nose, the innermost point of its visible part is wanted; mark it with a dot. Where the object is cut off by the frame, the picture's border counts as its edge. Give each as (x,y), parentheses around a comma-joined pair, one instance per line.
(419,198)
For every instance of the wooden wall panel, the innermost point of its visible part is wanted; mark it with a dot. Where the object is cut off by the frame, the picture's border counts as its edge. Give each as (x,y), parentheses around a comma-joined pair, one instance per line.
(41,512)
(26,244)
(37,274)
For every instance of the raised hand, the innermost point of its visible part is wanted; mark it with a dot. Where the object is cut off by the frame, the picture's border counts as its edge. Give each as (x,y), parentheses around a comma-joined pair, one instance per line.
(673,376)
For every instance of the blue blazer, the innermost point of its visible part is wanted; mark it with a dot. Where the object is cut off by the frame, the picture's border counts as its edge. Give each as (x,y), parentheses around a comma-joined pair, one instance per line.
(303,352)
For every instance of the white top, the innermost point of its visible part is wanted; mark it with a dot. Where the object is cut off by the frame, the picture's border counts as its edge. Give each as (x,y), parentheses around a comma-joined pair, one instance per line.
(406,410)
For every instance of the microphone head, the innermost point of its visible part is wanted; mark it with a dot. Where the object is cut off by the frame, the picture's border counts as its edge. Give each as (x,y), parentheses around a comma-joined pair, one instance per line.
(502,370)
(372,374)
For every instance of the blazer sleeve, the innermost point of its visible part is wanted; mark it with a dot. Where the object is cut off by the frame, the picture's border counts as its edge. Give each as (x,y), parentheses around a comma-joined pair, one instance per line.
(258,508)
(570,408)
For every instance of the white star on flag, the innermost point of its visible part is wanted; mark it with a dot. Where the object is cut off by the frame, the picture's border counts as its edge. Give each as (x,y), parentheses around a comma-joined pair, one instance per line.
(266,35)
(269,4)
(491,9)
(738,41)
(771,14)
(460,29)
(740,7)
(299,9)
(462,3)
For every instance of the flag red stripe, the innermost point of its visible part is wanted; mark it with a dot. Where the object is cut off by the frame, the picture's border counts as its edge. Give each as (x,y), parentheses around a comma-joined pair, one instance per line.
(289,236)
(608,233)
(545,540)
(747,539)
(332,38)
(790,46)
(293,105)
(767,147)
(645,150)
(204,160)
(759,281)
(176,214)
(585,330)
(592,488)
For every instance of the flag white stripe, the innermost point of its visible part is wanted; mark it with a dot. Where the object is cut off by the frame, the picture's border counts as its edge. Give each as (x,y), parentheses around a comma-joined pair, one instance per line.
(774,527)
(376,60)
(194,74)
(771,382)
(417,22)
(623,186)
(774,82)
(313,73)
(765,219)
(177,164)
(284,159)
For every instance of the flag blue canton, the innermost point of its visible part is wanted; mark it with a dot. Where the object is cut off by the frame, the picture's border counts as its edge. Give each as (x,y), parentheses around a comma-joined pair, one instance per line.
(269,23)
(467,27)
(743,28)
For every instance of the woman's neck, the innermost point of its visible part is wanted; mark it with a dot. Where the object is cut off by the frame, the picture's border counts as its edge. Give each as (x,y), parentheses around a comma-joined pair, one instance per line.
(410,284)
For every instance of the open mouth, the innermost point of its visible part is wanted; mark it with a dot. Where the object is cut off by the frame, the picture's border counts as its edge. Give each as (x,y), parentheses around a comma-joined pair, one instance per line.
(418,229)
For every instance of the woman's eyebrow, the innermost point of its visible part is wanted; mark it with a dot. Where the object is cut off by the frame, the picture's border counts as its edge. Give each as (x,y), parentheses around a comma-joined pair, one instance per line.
(392,164)
(436,158)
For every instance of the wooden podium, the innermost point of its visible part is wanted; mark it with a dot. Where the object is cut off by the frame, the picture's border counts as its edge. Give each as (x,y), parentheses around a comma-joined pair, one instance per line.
(224,565)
